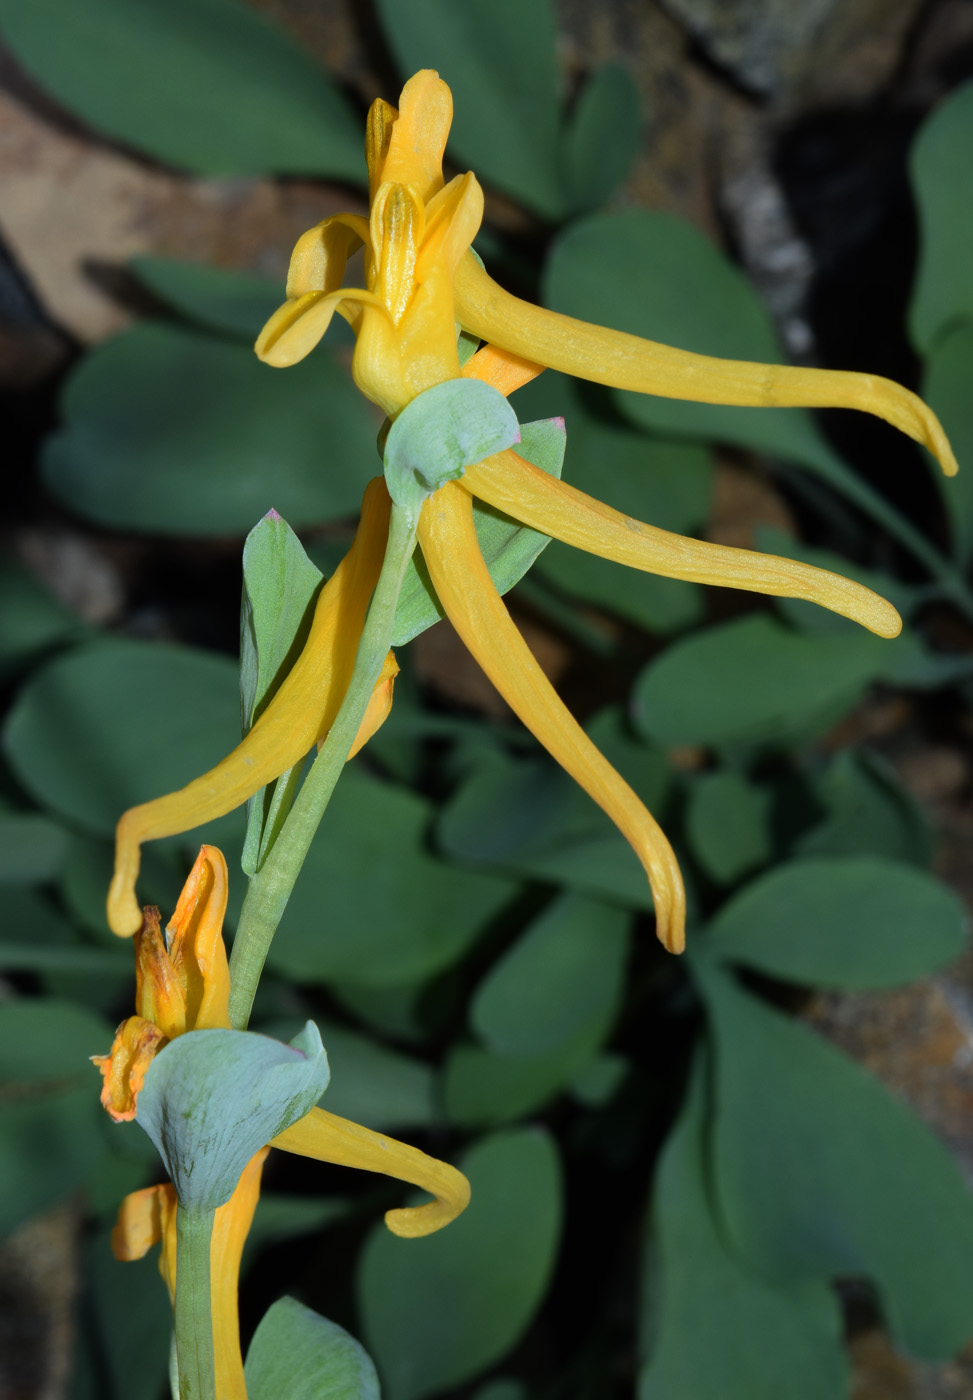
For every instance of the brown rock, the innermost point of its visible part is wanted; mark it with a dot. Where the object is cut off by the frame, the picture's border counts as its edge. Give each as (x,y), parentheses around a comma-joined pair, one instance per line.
(38,1283)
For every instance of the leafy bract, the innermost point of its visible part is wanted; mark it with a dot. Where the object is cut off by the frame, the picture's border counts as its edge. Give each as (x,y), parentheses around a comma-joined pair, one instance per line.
(176,432)
(844,921)
(821,1173)
(437,1311)
(297,1353)
(209,85)
(723,1332)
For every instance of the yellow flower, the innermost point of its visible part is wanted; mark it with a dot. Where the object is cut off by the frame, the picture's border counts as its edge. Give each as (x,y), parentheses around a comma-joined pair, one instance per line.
(183,984)
(423,280)
(298,717)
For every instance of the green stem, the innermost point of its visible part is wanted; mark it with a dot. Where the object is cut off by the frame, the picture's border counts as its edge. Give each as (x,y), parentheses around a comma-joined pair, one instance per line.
(271,887)
(194,1318)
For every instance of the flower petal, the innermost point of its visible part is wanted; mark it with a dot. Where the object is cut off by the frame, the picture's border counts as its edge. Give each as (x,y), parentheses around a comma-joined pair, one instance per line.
(196,944)
(541,501)
(415,151)
(141,1223)
(475,608)
(298,716)
(319,257)
(501,368)
(123,1069)
(160,989)
(231,1225)
(296,327)
(628,362)
(328,1138)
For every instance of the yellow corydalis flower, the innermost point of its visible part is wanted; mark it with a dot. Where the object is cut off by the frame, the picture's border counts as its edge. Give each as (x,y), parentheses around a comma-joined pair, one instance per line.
(182,985)
(297,718)
(423,280)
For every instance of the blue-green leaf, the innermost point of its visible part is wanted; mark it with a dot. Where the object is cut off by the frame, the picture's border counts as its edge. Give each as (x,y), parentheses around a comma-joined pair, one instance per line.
(209,85)
(728,824)
(940,168)
(438,1311)
(175,432)
(601,141)
(723,1332)
(821,1173)
(846,921)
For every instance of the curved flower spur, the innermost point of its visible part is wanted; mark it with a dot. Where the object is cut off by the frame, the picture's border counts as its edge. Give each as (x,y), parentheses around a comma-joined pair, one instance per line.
(423,280)
(182,987)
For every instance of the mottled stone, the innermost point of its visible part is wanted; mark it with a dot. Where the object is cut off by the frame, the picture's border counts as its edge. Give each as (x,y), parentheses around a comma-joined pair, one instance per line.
(38,1283)
(743,500)
(879,1374)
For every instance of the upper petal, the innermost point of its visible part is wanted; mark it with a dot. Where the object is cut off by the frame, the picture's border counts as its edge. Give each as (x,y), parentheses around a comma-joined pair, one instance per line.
(196,941)
(418,140)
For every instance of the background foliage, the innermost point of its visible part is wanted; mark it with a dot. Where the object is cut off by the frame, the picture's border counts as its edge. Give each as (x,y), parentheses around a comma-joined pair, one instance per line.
(678,1184)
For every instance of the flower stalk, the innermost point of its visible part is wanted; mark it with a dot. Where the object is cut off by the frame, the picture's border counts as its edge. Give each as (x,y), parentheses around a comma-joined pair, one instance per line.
(270,888)
(192,1305)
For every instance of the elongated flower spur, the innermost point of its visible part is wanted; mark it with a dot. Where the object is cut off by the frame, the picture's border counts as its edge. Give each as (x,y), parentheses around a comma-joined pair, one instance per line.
(183,985)
(422,281)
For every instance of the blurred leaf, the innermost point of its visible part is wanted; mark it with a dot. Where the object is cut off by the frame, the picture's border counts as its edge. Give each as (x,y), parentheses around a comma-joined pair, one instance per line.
(175,432)
(869,812)
(87,871)
(753,681)
(528,816)
(503,1388)
(940,169)
(655,275)
(564,969)
(31,619)
(32,847)
(820,1173)
(847,921)
(393,1011)
(946,386)
(372,906)
(281,1217)
(51,1129)
(209,85)
(600,1079)
(601,141)
(297,1353)
(222,299)
(508,548)
(440,1310)
(727,824)
(499,58)
(133,1358)
(117,722)
(725,1333)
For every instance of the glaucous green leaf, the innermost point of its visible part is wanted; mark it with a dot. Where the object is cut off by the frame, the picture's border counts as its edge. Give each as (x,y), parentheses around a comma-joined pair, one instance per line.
(222,299)
(722,1331)
(372,906)
(118,722)
(438,1311)
(946,387)
(528,816)
(601,140)
(728,824)
(821,1173)
(212,1098)
(176,432)
(299,1354)
(498,56)
(483,1089)
(53,1130)
(32,847)
(209,85)
(868,811)
(844,921)
(654,275)
(752,680)
(939,165)
(564,969)
(31,620)
(508,548)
